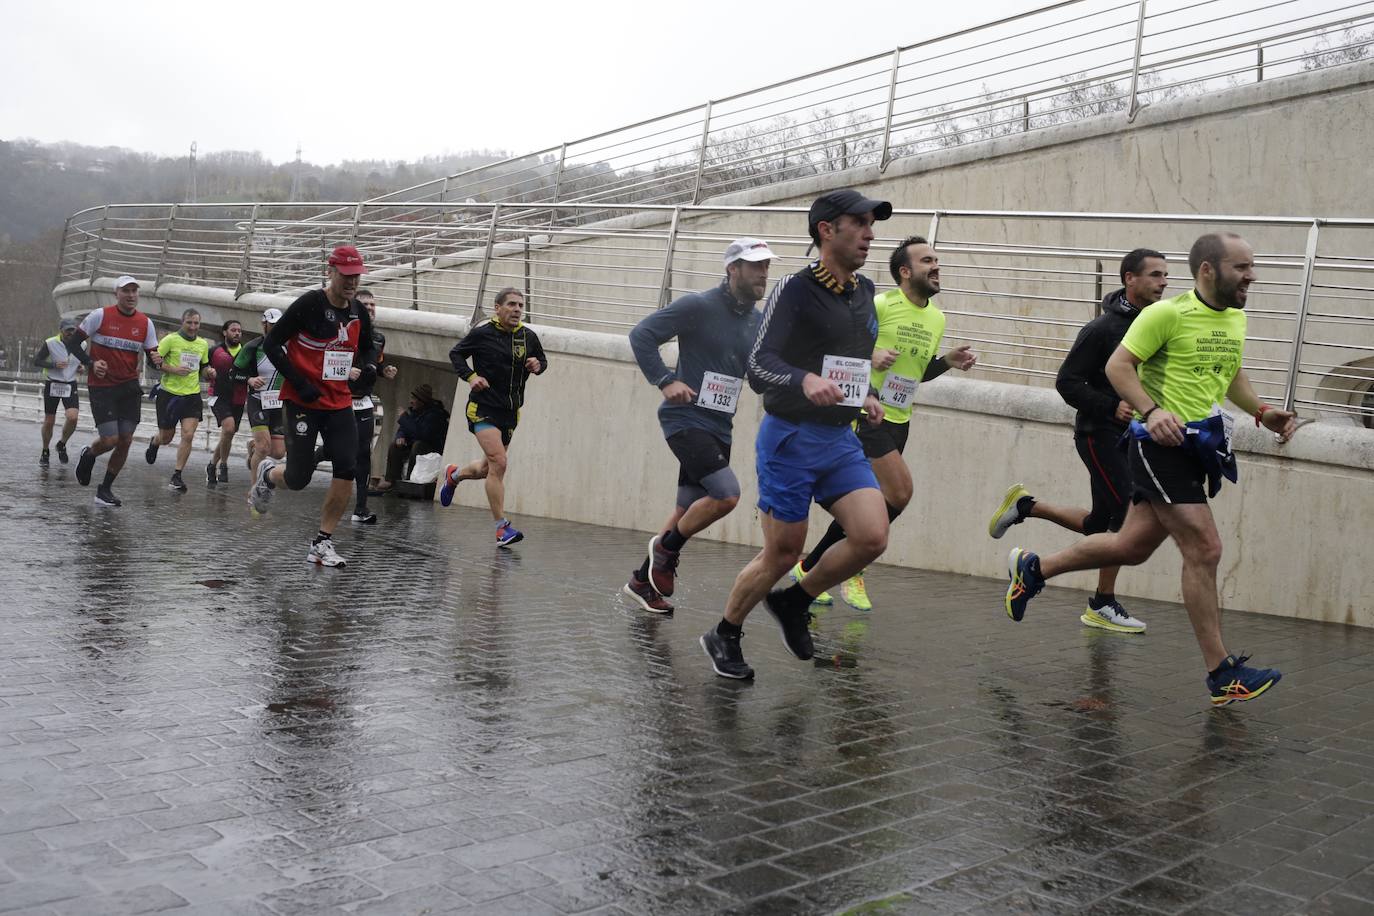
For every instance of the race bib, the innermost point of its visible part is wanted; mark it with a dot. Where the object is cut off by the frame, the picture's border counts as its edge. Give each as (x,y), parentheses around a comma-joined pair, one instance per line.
(720,392)
(190,361)
(851,375)
(270,398)
(210,401)
(60,389)
(363,403)
(898,390)
(336,365)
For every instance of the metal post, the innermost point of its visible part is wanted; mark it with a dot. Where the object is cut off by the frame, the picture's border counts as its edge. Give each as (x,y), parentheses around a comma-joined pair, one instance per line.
(357,220)
(1135,64)
(166,243)
(665,283)
(443,199)
(558,176)
(1259,69)
(528,313)
(486,263)
(1097,283)
(701,154)
(246,265)
(99,242)
(414,274)
(1300,330)
(934,228)
(887,122)
(1025,114)
(61,253)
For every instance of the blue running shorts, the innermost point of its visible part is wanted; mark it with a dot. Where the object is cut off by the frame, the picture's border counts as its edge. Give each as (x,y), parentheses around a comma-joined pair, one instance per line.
(799,462)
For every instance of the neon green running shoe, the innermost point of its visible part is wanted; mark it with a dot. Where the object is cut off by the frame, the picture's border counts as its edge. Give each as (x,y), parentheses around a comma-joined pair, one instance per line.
(823,598)
(855,594)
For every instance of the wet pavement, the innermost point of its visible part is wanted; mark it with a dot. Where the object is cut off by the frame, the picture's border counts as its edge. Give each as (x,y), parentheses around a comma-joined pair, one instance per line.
(193,718)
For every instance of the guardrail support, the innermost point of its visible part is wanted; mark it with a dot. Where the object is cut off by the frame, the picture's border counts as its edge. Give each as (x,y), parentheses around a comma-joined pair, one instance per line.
(934,228)
(166,244)
(99,242)
(665,283)
(357,221)
(61,253)
(701,154)
(558,175)
(246,264)
(1300,329)
(1135,63)
(891,103)
(1259,64)
(486,263)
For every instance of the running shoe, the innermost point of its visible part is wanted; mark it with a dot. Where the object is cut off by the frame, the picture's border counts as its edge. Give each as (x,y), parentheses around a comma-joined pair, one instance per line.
(43,458)
(1025,582)
(824,598)
(210,478)
(662,567)
(1112,616)
(644,595)
(85,463)
(104,496)
(725,655)
(62,452)
(1009,512)
(795,626)
(1235,682)
(365,518)
(450,484)
(260,496)
(855,594)
(176,483)
(506,535)
(322,554)
(224,472)
(150,454)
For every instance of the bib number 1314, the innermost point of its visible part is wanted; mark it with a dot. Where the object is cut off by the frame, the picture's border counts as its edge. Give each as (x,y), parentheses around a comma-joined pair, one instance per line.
(850,374)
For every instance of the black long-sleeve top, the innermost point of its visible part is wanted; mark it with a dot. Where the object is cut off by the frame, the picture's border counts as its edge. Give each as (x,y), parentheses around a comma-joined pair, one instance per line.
(1082,379)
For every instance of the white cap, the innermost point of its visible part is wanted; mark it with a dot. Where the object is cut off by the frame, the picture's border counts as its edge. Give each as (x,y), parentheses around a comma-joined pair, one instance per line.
(272,316)
(124,281)
(747,249)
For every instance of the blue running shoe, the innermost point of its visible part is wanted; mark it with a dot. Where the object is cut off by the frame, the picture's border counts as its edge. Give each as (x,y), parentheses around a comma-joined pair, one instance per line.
(1234,682)
(450,484)
(506,535)
(1026,582)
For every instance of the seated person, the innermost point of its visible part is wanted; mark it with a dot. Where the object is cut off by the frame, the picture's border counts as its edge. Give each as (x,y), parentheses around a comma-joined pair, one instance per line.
(419,431)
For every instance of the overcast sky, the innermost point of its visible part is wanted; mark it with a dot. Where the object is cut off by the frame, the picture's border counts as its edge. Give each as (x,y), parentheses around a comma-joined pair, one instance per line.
(401,80)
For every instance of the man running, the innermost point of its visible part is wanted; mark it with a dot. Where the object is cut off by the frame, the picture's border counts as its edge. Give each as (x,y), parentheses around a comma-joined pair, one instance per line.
(227,400)
(59,388)
(185,357)
(1101,420)
(117,333)
(811,362)
(322,342)
(504,354)
(715,331)
(1187,353)
(263,382)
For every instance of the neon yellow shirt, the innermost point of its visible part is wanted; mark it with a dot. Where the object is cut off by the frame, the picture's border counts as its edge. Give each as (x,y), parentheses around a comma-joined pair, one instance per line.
(1190,353)
(915,334)
(178,351)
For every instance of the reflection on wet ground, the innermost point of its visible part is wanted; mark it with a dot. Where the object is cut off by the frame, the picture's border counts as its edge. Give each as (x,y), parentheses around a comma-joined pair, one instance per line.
(192,716)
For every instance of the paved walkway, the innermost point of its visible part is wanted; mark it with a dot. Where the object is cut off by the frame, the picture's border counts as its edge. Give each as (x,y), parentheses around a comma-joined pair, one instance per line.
(192,718)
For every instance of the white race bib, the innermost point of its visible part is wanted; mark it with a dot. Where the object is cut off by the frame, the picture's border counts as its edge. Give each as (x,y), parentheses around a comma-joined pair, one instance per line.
(363,403)
(336,365)
(720,392)
(898,390)
(60,389)
(851,375)
(190,360)
(270,398)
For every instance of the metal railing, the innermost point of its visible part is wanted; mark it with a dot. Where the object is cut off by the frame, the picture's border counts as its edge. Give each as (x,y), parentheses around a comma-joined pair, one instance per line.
(1017,285)
(1063,62)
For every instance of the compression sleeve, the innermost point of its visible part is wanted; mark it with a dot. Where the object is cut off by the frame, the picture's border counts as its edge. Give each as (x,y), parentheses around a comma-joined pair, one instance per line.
(274,344)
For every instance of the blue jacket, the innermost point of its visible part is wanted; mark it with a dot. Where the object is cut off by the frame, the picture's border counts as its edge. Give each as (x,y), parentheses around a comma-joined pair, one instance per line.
(1206,441)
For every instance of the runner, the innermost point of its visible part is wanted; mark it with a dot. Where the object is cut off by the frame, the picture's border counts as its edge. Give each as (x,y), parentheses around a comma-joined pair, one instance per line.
(504,354)
(227,400)
(811,362)
(910,328)
(185,357)
(715,331)
(263,382)
(59,387)
(1098,427)
(117,333)
(321,343)
(1187,353)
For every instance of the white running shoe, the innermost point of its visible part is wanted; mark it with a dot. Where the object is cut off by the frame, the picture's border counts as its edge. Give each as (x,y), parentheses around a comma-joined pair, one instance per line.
(322,554)
(1112,616)
(260,496)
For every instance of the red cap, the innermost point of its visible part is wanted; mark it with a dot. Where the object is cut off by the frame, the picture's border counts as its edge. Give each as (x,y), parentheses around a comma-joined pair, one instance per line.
(347,260)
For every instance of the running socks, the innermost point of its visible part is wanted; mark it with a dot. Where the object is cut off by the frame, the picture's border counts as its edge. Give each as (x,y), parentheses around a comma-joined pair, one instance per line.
(322,536)
(673,540)
(728,629)
(1098,600)
(109,479)
(794,597)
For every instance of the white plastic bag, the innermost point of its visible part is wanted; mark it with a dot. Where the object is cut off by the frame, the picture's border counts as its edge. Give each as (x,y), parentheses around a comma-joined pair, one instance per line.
(427,468)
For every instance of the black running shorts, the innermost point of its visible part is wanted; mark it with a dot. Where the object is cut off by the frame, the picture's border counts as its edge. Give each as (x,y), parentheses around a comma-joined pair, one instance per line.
(258,418)
(116,408)
(173,408)
(223,408)
(699,455)
(883,439)
(1166,475)
(71,400)
(336,429)
(1109,470)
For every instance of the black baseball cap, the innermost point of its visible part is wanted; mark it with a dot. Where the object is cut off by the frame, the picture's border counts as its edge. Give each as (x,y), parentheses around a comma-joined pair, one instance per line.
(829,207)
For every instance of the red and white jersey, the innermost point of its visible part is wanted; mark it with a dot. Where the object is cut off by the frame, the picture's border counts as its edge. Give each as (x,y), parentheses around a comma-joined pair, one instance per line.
(117,339)
(322,344)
